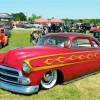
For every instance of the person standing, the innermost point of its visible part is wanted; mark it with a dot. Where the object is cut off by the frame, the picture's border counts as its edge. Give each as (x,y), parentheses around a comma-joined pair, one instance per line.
(49,27)
(34,37)
(40,32)
(45,30)
(53,27)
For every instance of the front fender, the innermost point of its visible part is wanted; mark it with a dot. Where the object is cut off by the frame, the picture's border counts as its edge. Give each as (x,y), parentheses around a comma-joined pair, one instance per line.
(2,57)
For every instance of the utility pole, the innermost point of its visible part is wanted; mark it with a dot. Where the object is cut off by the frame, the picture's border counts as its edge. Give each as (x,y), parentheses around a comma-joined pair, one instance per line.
(26,15)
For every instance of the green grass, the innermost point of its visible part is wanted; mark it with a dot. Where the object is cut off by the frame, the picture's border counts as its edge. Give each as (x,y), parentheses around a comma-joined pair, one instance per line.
(18,38)
(84,89)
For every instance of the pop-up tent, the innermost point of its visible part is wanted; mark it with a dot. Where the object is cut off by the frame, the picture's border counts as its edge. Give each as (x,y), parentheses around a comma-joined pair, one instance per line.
(56,20)
(41,20)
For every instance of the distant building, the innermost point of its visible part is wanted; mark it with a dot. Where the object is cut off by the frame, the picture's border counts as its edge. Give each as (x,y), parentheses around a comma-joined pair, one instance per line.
(6,20)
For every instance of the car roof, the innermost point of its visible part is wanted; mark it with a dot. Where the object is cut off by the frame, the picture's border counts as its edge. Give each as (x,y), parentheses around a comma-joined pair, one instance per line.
(69,34)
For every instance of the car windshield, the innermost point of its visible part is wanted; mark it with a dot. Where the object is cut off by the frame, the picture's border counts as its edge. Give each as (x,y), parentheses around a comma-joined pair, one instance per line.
(54,41)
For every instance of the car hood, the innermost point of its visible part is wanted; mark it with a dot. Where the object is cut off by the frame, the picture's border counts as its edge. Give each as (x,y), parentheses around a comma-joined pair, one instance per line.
(16,56)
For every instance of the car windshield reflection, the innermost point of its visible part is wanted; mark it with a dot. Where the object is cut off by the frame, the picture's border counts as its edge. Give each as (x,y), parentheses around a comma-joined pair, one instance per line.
(54,41)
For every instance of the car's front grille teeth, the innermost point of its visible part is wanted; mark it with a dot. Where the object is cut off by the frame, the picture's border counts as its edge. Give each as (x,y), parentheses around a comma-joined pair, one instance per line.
(9,75)
(9,72)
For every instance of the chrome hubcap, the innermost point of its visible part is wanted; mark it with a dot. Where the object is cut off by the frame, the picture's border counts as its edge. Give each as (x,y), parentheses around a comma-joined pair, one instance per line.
(48,77)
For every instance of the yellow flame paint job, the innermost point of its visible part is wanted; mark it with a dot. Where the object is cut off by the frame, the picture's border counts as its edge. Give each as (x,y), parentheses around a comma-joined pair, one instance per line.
(91,55)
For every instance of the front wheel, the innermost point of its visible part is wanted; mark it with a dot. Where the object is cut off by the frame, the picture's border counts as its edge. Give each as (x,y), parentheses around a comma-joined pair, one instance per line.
(49,79)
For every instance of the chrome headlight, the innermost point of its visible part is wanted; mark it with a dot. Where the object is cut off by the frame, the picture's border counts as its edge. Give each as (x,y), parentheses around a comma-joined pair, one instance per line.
(26,68)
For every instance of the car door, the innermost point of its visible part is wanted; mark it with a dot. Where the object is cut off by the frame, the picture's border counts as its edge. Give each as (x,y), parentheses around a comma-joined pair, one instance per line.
(85,57)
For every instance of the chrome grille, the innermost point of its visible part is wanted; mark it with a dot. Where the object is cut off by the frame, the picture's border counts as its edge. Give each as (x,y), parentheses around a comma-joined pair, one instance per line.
(9,71)
(10,75)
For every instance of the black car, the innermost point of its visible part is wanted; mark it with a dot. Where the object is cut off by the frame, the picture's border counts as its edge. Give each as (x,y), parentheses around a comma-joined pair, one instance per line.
(87,26)
(96,34)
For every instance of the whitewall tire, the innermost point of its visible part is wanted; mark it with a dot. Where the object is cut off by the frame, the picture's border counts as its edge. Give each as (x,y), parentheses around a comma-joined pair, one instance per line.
(49,79)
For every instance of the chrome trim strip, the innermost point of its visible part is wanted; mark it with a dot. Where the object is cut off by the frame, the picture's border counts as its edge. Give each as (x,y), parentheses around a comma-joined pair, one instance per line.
(19,88)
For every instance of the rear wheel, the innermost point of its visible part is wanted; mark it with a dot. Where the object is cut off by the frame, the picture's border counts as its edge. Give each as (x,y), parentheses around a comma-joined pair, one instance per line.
(49,79)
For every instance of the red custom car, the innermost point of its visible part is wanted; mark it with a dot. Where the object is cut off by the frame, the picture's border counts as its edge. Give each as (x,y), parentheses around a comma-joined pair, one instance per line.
(57,58)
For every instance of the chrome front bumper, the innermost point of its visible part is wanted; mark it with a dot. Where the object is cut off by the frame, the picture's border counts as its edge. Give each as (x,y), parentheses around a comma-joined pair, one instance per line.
(19,88)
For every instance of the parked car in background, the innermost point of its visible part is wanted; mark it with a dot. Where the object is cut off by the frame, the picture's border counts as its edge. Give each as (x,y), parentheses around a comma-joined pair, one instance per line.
(36,25)
(20,25)
(7,32)
(56,58)
(92,29)
(24,25)
(27,25)
(3,38)
(96,34)
(87,26)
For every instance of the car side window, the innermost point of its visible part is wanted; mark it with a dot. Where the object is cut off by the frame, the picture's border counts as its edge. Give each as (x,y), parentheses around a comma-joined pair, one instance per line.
(95,44)
(81,43)
(55,41)
(75,44)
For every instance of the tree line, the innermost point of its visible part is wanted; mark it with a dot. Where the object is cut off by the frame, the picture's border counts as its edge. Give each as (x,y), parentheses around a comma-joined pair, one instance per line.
(22,17)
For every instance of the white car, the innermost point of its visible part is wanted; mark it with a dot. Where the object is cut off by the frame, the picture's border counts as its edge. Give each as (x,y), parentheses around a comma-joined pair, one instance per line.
(37,25)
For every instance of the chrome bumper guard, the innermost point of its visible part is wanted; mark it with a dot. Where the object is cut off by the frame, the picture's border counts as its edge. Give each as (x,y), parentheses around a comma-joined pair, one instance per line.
(19,88)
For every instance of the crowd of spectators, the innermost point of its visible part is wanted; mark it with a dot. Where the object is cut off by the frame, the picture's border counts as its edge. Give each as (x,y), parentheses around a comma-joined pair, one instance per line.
(56,27)
(37,34)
